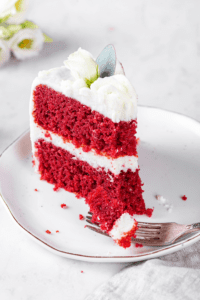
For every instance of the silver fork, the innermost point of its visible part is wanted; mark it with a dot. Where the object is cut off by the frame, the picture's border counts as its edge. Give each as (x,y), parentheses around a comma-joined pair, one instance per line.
(153,234)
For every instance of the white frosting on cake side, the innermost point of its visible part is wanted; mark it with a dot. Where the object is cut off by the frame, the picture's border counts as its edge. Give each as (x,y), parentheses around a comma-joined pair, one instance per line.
(122,226)
(96,161)
(114,97)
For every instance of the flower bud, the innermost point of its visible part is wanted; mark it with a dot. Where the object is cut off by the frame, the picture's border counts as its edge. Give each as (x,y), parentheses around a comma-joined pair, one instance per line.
(82,65)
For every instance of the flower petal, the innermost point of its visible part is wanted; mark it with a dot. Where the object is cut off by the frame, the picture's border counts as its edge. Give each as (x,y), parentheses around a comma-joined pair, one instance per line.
(4,52)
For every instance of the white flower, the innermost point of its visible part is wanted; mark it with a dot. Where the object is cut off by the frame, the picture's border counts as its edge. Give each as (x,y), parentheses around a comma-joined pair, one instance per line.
(82,65)
(4,52)
(27,43)
(13,11)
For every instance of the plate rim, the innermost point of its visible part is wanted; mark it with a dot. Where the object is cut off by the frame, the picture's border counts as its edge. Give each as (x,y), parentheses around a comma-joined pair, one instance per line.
(131,258)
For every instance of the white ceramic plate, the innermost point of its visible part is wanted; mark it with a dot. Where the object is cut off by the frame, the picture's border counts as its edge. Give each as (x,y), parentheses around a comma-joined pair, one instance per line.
(170,166)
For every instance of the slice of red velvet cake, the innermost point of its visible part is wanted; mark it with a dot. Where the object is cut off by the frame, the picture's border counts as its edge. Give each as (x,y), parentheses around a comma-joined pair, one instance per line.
(83,139)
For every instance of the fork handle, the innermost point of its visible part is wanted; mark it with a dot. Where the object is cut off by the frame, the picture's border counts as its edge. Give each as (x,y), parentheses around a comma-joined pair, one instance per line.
(193,226)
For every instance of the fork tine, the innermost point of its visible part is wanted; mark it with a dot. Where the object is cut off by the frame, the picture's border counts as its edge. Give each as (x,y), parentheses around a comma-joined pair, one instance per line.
(149,230)
(148,241)
(146,234)
(149,225)
(98,230)
(89,220)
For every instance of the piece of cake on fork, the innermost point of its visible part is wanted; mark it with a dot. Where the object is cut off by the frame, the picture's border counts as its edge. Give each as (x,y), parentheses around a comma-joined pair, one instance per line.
(83,133)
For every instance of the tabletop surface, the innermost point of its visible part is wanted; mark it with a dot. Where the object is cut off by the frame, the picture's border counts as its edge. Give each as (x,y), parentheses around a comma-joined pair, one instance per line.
(158,43)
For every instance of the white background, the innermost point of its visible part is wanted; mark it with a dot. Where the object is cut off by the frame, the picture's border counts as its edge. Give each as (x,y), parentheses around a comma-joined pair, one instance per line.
(158,43)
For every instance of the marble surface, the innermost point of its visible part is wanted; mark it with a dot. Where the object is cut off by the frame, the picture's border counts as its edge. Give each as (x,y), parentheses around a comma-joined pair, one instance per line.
(158,43)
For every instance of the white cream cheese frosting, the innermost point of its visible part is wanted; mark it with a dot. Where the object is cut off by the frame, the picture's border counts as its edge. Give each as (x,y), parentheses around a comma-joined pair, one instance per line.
(122,226)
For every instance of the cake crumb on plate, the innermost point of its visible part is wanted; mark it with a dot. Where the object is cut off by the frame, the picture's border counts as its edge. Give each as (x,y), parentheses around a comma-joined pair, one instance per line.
(81,217)
(167,205)
(63,205)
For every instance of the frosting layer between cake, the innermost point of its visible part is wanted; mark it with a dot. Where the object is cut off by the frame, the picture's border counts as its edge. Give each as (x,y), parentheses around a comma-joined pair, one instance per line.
(96,161)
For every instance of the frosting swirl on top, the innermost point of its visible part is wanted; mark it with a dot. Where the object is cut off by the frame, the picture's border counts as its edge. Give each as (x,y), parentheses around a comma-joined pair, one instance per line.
(118,95)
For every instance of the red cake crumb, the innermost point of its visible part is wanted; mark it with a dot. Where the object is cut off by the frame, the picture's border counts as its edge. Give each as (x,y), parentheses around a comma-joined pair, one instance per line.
(81,271)
(57,230)
(137,245)
(63,205)
(47,135)
(138,140)
(36,190)
(81,217)
(184,198)
(48,231)
(149,212)
(33,162)
(78,196)
(83,127)
(125,242)
(56,188)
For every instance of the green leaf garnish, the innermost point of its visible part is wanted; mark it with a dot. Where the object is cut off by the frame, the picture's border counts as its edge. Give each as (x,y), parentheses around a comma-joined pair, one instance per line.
(107,61)
(4,19)
(29,24)
(47,39)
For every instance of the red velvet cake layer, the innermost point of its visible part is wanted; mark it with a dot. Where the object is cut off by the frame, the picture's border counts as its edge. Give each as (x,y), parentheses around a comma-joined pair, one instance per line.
(108,196)
(80,125)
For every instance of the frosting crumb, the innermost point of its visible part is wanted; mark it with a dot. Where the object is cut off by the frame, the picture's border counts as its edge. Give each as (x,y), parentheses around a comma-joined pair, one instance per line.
(167,205)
